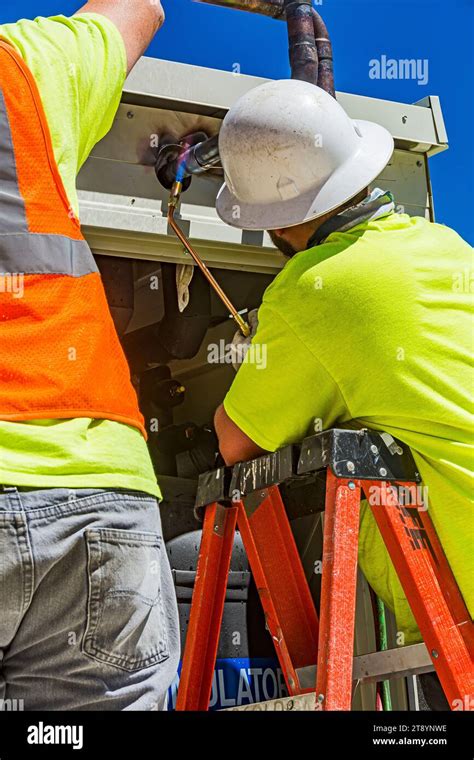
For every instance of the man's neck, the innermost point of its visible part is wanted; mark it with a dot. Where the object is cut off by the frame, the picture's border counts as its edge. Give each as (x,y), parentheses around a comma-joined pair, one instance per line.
(372,206)
(318,223)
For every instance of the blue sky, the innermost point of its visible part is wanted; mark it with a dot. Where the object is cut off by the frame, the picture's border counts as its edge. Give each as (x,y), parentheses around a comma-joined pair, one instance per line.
(361,30)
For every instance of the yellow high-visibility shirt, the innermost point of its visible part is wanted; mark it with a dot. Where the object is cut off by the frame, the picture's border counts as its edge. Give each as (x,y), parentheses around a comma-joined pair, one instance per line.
(79,65)
(373,328)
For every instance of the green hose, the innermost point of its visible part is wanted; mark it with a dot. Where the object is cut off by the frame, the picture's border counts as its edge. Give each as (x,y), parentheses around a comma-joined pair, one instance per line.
(386,698)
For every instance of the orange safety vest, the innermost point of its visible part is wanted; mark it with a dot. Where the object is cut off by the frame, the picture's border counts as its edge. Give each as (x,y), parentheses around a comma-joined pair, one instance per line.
(59,353)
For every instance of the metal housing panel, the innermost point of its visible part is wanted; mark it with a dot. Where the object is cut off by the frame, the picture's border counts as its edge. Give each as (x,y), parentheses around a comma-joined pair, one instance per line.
(123,206)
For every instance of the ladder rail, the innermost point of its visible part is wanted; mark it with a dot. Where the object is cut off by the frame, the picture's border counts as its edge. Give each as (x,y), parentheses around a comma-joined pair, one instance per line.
(207,608)
(338,595)
(416,558)
(259,513)
(281,583)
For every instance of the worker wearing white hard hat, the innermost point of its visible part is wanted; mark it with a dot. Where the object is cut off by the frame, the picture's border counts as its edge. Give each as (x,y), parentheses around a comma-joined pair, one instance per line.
(362,328)
(291,154)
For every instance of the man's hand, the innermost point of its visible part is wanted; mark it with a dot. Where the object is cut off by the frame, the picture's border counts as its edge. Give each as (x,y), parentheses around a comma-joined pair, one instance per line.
(137,21)
(241,344)
(234,445)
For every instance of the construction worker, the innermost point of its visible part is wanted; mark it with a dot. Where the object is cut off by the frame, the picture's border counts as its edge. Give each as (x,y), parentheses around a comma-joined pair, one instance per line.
(367,325)
(89,617)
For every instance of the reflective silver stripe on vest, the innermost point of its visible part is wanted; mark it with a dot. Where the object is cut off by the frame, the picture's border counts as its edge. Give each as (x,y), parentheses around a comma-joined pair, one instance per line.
(12,206)
(32,253)
(20,250)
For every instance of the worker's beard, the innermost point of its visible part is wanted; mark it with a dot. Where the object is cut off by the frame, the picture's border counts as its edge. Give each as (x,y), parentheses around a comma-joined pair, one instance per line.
(282,245)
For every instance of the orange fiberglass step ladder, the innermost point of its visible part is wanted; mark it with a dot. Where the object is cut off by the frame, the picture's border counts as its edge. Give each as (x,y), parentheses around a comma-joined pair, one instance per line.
(247,497)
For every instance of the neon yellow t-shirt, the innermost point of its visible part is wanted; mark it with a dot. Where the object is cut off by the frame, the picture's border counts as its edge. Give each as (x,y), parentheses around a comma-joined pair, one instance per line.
(79,64)
(373,328)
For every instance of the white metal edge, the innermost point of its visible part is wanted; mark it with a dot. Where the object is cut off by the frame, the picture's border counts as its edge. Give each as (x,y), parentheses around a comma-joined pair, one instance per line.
(216,90)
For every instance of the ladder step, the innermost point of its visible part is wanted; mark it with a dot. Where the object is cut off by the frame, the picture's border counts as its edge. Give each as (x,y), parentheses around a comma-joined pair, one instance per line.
(380,666)
(368,668)
(299,702)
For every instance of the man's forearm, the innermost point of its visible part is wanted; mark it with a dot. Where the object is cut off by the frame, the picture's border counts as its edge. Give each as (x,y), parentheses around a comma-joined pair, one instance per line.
(234,444)
(137,20)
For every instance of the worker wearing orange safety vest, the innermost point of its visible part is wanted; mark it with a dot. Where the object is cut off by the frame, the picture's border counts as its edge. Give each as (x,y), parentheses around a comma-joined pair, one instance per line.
(50,368)
(89,617)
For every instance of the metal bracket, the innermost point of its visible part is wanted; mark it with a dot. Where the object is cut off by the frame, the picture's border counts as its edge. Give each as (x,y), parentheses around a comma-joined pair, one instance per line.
(252,501)
(358,454)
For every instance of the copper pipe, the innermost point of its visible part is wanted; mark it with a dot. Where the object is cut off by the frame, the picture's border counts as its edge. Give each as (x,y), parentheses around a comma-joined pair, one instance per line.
(301,43)
(172,204)
(325,60)
(272,8)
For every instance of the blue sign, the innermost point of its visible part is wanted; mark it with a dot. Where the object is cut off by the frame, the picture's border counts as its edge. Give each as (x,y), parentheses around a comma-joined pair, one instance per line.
(240,681)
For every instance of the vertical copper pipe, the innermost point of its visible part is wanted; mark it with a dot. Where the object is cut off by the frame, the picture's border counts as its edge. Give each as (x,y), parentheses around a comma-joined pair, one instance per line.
(302,46)
(325,60)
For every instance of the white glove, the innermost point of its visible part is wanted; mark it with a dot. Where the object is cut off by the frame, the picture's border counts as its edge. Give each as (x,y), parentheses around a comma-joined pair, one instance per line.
(241,344)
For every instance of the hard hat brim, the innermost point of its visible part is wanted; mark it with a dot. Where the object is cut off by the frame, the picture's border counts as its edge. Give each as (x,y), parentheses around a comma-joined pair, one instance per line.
(375,150)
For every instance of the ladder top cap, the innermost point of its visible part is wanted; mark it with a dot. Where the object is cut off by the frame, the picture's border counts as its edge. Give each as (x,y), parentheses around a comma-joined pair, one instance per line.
(355,454)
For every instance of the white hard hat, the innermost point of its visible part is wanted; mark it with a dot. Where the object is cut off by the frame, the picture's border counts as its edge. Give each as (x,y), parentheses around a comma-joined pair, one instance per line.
(290,153)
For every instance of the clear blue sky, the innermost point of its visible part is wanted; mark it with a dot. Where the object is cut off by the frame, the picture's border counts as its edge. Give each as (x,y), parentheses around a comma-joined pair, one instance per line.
(361,30)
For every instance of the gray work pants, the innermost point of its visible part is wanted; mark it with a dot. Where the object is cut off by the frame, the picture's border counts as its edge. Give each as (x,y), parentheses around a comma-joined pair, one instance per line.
(88,614)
